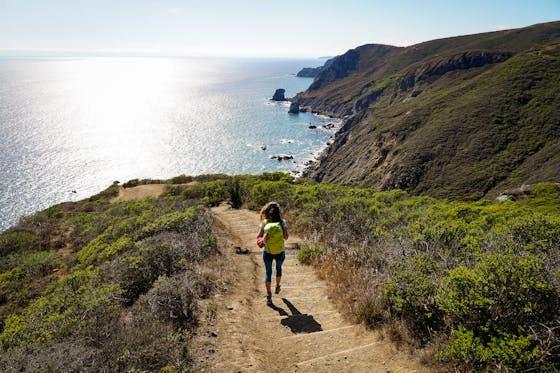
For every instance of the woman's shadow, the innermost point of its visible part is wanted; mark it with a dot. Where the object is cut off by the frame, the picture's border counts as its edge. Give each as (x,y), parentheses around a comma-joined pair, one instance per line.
(297,322)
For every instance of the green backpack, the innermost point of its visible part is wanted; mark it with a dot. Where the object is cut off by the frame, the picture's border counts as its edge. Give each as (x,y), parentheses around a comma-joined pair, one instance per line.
(275,238)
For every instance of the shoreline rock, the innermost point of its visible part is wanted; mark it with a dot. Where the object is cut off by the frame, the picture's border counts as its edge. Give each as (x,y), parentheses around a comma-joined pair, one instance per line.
(282,157)
(294,108)
(279,95)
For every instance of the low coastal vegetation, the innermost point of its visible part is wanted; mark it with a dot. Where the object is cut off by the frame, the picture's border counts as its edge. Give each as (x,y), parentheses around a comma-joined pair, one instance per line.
(97,286)
(474,284)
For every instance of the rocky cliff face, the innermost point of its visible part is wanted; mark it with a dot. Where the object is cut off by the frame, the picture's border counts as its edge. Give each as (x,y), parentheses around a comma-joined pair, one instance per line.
(459,117)
(309,72)
(436,67)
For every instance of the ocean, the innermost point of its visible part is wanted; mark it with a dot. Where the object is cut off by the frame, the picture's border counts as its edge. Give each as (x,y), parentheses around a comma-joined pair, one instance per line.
(70,127)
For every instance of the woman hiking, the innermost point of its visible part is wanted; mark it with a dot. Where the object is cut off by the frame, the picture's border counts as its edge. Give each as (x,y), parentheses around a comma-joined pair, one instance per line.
(273,231)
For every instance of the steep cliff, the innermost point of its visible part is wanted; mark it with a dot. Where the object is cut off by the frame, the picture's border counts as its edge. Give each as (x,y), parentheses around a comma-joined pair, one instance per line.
(459,117)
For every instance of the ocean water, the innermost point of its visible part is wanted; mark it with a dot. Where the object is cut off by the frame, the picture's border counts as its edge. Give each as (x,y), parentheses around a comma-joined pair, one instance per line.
(69,127)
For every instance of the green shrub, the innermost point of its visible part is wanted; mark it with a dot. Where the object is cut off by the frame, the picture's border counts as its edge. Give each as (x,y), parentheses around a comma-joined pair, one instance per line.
(99,250)
(235,193)
(500,284)
(505,350)
(484,277)
(211,192)
(276,176)
(169,244)
(266,191)
(534,232)
(181,179)
(35,263)
(545,196)
(106,194)
(211,177)
(494,306)
(411,292)
(70,304)
(15,241)
(53,212)
(310,253)
(131,183)
(10,282)
(173,222)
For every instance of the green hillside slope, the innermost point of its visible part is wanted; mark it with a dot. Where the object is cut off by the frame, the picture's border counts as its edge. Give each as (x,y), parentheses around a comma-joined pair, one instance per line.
(96,286)
(459,117)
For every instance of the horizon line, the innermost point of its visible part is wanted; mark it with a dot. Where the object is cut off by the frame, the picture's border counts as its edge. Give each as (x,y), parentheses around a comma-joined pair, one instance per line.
(114,52)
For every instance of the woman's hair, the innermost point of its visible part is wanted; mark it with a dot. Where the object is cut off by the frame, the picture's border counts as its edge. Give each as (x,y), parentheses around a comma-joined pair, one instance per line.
(271,211)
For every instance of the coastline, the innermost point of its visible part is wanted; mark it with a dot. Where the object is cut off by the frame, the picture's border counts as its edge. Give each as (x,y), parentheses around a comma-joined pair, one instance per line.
(98,141)
(333,127)
(84,138)
(301,170)
(327,124)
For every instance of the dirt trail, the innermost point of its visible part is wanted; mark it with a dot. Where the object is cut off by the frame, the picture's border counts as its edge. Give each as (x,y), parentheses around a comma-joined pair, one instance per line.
(302,332)
(139,192)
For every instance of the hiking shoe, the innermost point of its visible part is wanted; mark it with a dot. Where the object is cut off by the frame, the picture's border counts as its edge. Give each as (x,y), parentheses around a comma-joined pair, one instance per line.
(269,299)
(277,290)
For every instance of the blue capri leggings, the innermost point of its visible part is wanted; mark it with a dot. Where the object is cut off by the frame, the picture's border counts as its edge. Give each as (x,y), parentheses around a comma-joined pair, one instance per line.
(267,258)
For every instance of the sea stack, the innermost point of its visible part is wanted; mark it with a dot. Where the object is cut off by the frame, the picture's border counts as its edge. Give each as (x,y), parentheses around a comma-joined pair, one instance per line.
(279,95)
(294,108)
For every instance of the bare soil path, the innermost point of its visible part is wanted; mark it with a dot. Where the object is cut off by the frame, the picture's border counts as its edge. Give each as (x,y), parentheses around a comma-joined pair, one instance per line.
(139,192)
(302,332)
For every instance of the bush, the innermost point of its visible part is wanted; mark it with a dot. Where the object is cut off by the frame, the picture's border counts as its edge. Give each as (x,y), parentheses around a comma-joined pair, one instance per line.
(15,241)
(310,253)
(371,307)
(131,183)
(494,306)
(181,179)
(171,243)
(72,356)
(534,232)
(480,280)
(174,300)
(179,222)
(70,304)
(106,194)
(212,193)
(411,293)
(235,193)
(99,250)
(266,191)
(504,350)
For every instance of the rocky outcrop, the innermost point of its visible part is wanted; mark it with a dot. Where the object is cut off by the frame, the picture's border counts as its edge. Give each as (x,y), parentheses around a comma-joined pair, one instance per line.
(312,72)
(342,66)
(279,95)
(282,157)
(294,108)
(437,67)
(309,72)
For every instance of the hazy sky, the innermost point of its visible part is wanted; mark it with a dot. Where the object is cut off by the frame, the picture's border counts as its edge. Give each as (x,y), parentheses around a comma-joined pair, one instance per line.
(250,27)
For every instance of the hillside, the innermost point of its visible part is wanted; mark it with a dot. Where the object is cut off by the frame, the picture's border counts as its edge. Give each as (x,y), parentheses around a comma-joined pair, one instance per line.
(462,117)
(167,278)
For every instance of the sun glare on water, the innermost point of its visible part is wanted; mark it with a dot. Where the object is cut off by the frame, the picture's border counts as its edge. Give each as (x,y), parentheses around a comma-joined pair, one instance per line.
(119,103)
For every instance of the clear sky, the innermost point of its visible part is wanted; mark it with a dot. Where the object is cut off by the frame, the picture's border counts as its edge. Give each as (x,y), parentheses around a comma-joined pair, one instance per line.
(306,28)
